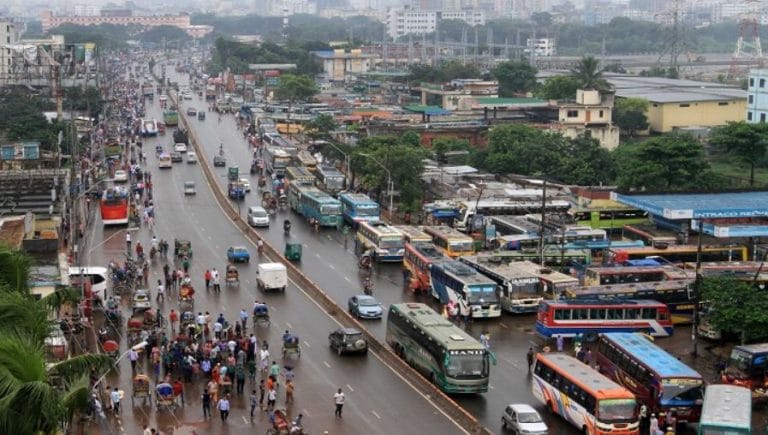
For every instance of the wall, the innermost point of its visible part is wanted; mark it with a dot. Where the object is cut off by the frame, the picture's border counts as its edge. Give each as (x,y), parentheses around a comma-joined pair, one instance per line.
(664,117)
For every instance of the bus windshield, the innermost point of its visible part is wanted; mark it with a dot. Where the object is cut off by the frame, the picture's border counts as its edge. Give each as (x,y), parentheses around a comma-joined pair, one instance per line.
(330,209)
(367,210)
(391,244)
(616,410)
(461,246)
(467,366)
(682,390)
(482,294)
(741,360)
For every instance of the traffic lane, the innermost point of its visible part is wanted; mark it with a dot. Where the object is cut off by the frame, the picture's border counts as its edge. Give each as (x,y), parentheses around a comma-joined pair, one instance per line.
(299,315)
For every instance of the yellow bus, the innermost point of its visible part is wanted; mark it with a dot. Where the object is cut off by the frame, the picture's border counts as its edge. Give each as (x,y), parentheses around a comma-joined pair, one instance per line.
(413,235)
(452,242)
(386,242)
(683,253)
(304,158)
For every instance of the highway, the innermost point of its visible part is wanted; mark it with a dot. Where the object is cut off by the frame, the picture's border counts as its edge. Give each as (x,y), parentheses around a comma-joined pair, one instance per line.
(379,401)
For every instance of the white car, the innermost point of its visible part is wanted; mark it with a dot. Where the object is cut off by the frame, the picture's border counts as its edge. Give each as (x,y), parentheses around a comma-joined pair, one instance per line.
(121,176)
(523,419)
(180,147)
(258,217)
(246,184)
(187,95)
(191,157)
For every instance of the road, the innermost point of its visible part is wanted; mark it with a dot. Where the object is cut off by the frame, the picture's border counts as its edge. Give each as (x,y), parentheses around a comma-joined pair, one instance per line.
(378,400)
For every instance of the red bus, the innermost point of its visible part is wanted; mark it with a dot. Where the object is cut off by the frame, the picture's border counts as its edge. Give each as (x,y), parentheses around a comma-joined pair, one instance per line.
(417,260)
(114,206)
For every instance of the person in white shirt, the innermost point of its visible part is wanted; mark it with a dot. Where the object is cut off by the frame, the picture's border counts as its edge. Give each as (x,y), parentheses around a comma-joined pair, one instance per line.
(339,399)
(115,397)
(160,291)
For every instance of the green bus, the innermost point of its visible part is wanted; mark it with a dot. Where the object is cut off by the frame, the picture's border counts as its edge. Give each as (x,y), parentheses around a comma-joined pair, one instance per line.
(727,410)
(171,118)
(449,357)
(609,218)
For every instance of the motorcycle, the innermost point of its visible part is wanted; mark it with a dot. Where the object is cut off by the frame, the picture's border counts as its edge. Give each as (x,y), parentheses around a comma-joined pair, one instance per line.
(287,227)
(368,287)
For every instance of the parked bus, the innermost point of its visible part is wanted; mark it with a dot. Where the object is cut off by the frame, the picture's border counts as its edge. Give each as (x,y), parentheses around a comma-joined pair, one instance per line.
(609,218)
(457,282)
(452,242)
(605,275)
(449,357)
(593,316)
(748,366)
(305,159)
(554,283)
(299,175)
(418,259)
(553,256)
(114,206)
(414,235)
(276,160)
(466,210)
(727,409)
(330,179)
(356,207)
(684,253)
(386,243)
(589,401)
(675,294)
(656,378)
(520,284)
(311,202)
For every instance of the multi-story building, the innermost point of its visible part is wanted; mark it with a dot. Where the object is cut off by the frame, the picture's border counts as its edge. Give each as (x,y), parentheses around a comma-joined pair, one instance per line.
(9,35)
(49,21)
(590,114)
(757,96)
(340,64)
(544,47)
(404,21)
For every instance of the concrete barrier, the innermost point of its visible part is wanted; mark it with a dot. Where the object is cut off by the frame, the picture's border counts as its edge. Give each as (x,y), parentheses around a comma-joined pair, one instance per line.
(416,380)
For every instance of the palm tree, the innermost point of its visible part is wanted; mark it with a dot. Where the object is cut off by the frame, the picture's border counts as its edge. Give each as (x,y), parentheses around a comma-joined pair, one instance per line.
(14,269)
(589,74)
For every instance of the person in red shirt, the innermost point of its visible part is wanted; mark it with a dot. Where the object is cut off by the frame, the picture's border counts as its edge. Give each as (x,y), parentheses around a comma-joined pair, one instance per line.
(208,278)
(173,317)
(178,390)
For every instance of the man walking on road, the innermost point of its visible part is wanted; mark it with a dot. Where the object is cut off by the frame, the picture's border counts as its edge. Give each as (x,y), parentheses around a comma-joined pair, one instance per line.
(133,356)
(206,397)
(224,408)
(529,357)
(115,396)
(339,398)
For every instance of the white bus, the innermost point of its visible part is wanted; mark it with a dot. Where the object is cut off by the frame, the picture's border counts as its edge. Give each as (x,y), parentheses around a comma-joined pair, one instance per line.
(494,207)
(96,275)
(520,282)
(385,241)
(455,281)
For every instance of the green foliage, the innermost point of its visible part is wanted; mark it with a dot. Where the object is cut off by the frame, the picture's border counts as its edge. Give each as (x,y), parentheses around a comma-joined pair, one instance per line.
(586,163)
(159,34)
(736,307)
(105,36)
(514,77)
(320,127)
(442,73)
(443,145)
(747,143)
(237,56)
(78,100)
(630,115)
(588,74)
(558,88)
(295,88)
(21,118)
(670,162)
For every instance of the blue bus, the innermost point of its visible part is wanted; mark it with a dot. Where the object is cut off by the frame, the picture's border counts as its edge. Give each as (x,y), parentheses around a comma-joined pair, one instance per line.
(356,207)
(312,202)
(656,378)
(457,282)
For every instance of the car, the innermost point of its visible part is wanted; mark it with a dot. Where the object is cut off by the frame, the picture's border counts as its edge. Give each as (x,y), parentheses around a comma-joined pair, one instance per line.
(192,157)
(237,254)
(258,217)
(176,157)
(186,95)
(522,419)
(180,147)
(219,161)
(246,184)
(348,340)
(201,115)
(120,176)
(189,188)
(365,307)
(191,111)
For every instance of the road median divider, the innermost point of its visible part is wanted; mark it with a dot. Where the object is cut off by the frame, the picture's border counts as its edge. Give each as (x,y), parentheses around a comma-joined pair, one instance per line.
(439,399)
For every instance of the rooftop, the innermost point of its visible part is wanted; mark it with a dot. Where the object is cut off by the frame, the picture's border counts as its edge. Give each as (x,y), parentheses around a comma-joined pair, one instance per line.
(493,101)
(665,90)
(700,205)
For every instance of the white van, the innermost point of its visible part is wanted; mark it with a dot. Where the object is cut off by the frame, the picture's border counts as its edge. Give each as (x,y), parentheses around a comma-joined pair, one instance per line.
(272,276)
(98,277)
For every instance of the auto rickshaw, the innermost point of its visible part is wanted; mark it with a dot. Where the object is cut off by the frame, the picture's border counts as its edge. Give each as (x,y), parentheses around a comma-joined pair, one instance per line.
(292,251)
(233,276)
(141,389)
(182,248)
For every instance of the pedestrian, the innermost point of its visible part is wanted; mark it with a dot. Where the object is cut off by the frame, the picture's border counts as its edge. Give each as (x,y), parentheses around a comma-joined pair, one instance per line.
(560,342)
(207,277)
(160,291)
(115,397)
(206,398)
(338,399)
(261,393)
(644,420)
(289,387)
(178,391)
(588,357)
(529,357)
(274,369)
(254,401)
(133,356)
(128,240)
(654,426)
(173,317)
(271,398)
(223,407)
(240,379)
(244,318)
(485,339)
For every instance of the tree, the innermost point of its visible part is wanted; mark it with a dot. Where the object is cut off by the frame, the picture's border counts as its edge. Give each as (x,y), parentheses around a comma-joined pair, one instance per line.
(558,88)
(160,34)
(295,89)
(525,150)
(320,127)
(589,75)
(747,143)
(629,115)
(670,162)
(736,307)
(514,77)
(586,163)
(443,145)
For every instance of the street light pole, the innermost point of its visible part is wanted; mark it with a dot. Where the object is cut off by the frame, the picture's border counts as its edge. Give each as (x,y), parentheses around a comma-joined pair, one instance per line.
(390,185)
(137,347)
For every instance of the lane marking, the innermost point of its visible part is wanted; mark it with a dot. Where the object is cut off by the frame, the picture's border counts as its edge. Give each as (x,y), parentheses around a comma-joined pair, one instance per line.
(377,415)
(306,343)
(330,266)
(502,325)
(326,364)
(347,279)
(288,325)
(245,420)
(350,388)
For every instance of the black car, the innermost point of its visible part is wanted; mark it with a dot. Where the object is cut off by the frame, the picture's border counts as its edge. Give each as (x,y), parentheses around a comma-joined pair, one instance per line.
(176,157)
(219,161)
(348,340)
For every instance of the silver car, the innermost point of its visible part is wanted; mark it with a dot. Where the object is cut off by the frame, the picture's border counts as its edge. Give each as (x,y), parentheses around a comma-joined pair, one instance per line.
(189,188)
(258,217)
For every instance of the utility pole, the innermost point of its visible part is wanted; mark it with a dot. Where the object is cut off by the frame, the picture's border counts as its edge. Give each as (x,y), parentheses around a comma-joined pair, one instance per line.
(541,227)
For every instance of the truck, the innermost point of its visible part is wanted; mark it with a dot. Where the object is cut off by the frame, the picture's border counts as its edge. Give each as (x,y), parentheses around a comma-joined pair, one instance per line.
(272,276)
(171,117)
(236,190)
(148,90)
(210,93)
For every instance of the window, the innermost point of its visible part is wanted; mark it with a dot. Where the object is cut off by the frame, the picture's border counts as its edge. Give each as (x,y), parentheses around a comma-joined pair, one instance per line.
(762,117)
(685,105)
(749,116)
(601,114)
(725,103)
(762,83)
(751,82)
(573,114)
(751,99)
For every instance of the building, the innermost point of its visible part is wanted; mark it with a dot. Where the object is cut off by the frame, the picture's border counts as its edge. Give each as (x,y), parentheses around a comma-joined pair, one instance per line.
(122,17)
(405,21)
(458,94)
(681,104)
(339,64)
(544,47)
(9,35)
(757,98)
(590,114)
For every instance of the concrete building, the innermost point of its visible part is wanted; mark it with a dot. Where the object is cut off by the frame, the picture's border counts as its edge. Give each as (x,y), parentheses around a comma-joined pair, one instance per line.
(339,64)
(9,35)
(590,114)
(459,94)
(757,98)
(404,21)
(544,47)
(681,104)
(50,21)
